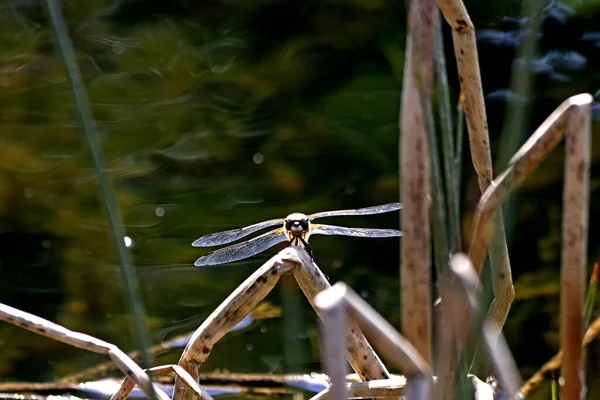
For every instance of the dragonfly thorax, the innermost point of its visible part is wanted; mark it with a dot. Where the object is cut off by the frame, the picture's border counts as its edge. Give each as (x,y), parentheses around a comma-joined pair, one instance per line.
(296,225)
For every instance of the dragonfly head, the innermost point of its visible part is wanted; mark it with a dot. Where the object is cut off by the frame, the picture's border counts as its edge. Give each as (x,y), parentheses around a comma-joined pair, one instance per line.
(296,225)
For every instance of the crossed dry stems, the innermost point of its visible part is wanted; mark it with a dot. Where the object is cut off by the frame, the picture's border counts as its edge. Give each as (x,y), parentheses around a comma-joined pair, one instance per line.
(311,280)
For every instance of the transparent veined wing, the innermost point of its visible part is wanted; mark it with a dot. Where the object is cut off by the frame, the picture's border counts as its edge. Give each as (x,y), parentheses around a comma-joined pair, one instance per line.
(320,229)
(219,238)
(243,250)
(360,211)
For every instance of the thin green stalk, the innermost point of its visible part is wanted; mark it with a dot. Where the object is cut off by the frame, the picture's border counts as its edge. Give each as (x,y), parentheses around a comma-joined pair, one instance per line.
(590,297)
(109,203)
(460,135)
(517,117)
(517,114)
(441,248)
(554,388)
(447,131)
(463,390)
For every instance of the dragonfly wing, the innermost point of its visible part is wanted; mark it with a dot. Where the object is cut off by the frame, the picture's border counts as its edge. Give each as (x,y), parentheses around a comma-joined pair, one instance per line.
(243,250)
(216,239)
(360,211)
(320,229)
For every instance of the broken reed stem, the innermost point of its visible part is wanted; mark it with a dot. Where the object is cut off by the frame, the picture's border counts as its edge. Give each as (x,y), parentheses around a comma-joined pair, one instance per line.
(361,356)
(529,157)
(415,273)
(340,299)
(81,340)
(574,247)
(555,362)
(104,367)
(465,49)
(572,118)
(467,60)
(229,313)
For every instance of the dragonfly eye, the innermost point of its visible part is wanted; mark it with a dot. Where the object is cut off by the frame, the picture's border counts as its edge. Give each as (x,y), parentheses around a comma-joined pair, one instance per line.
(296,225)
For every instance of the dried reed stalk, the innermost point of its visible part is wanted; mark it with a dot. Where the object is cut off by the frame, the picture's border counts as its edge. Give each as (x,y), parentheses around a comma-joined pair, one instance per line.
(467,60)
(105,367)
(456,321)
(529,157)
(333,327)
(124,390)
(393,387)
(229,313)
(446,362)
(81,340)
(381,388)
(415,181)
(574,247)
(361,356)
(340,299)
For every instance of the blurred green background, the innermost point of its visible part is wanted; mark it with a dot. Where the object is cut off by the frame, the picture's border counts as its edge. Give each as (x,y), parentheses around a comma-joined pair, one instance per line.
(221,113)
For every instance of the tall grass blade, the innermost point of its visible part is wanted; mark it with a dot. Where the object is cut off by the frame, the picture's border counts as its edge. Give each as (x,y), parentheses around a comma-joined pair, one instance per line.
(109,203)
(447,132)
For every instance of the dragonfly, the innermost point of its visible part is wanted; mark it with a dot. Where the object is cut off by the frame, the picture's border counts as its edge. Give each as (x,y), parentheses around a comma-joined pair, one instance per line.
(296,228)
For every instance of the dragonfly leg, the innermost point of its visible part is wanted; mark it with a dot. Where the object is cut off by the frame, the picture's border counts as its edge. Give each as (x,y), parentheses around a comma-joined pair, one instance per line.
(307,247)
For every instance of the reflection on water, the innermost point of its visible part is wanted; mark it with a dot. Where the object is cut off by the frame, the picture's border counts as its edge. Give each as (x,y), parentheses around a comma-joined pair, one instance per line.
(215,116)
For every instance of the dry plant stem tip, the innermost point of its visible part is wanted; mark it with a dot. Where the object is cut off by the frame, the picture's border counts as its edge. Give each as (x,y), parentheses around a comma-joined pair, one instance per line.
(529,156)
(465,49)
(415,160)
(54,331)
(383,336)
